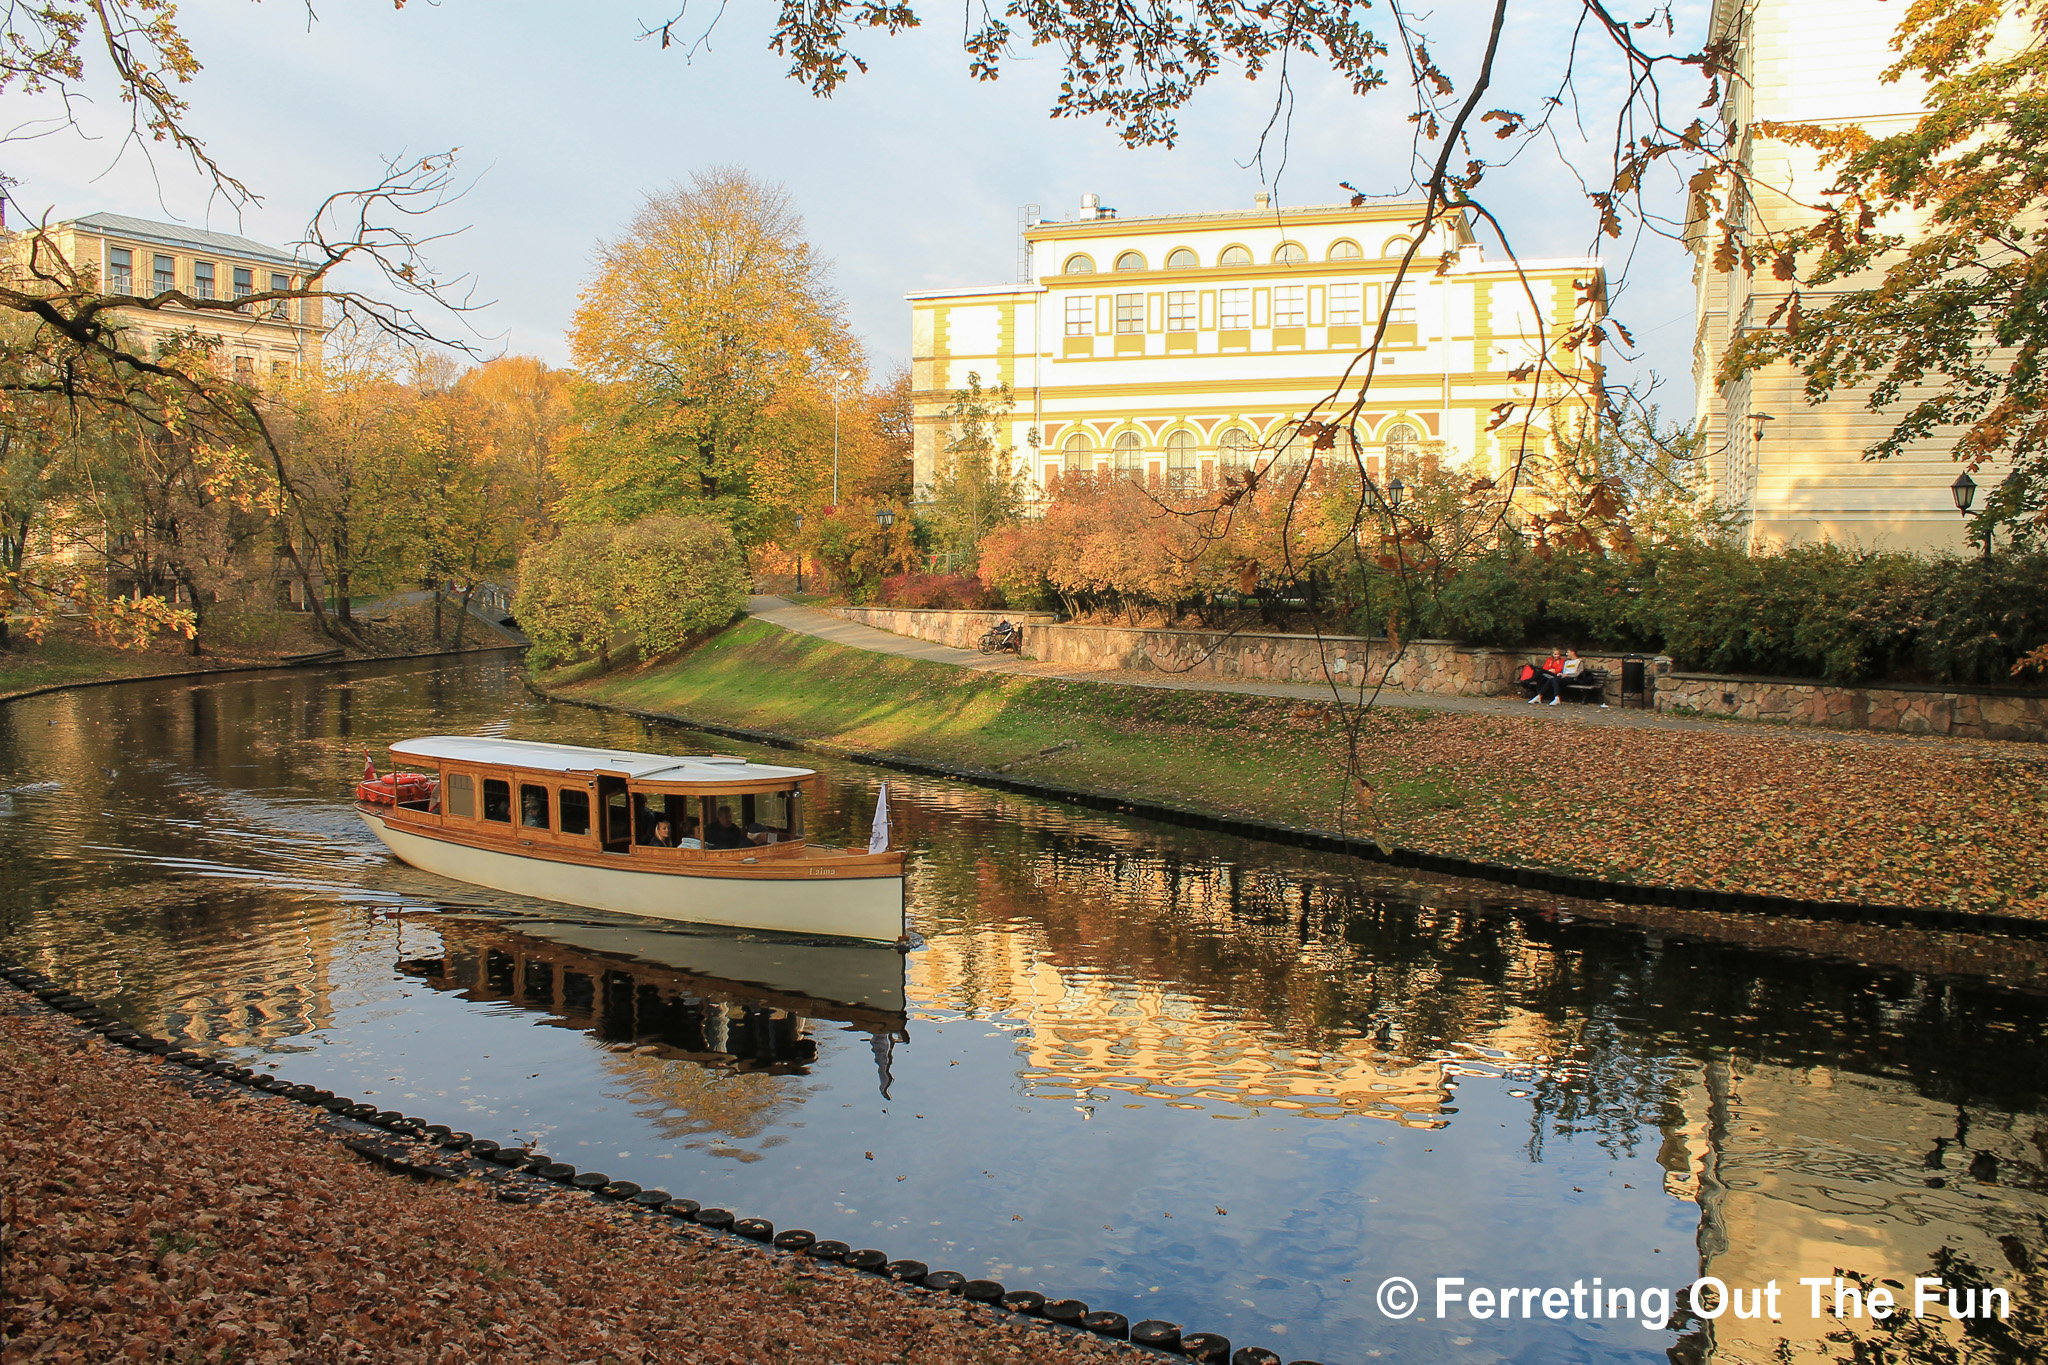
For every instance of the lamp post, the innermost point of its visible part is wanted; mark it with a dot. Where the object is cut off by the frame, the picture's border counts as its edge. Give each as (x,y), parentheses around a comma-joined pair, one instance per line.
(799,556)
(1395,488)
(885,517)
(1964,491)
(838,378)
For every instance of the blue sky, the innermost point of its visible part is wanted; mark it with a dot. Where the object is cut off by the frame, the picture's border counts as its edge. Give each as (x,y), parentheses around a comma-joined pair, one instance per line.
(910,178)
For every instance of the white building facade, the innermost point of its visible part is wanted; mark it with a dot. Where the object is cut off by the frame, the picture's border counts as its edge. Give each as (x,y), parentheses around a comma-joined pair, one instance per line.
(1793,471)
(1172,349)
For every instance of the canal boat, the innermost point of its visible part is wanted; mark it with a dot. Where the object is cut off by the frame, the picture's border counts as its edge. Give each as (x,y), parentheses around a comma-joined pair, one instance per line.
(586,827)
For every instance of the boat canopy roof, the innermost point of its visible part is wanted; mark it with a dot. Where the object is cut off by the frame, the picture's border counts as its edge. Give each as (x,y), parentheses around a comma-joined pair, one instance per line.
(534,756)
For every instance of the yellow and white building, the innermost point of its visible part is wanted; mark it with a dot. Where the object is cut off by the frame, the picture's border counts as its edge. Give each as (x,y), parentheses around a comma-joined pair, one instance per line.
(1174,348)
(134,257)
(1795,472)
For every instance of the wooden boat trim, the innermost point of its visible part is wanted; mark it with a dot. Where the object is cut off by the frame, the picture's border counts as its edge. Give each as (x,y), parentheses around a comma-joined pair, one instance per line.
(795,861)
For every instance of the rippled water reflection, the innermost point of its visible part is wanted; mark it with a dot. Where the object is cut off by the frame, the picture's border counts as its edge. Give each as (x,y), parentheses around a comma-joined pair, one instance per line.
(1174,1074)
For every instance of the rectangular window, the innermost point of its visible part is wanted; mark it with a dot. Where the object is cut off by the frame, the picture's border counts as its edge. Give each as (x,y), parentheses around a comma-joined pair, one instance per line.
(1080,315)
(1233,309)
(120,270)
(1130,312)
(498,800)
(245,369)
(1180,311)
(575,811)
(1403,309)
(1345,304)
(281,369)
(280,308)
(462,795)
(533,806)
(202,280)
(245,282)
(1290,305)
(166,271)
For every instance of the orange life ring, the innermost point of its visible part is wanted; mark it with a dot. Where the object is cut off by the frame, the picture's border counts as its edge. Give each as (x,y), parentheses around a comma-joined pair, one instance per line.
(393,788)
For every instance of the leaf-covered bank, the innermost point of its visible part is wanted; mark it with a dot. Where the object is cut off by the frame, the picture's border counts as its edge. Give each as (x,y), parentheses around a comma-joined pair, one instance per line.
(1732,808)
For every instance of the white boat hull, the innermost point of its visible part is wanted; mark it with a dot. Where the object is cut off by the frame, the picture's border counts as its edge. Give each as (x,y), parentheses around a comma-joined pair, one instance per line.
(843,907)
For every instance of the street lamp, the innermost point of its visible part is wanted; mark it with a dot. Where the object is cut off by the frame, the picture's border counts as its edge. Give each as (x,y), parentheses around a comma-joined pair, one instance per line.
(838,377)
(1394,490)
(1964,491)
(799,556)
(885,517)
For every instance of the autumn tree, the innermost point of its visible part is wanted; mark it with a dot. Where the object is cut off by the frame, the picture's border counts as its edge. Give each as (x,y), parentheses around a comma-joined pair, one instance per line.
(345,435)
(976,485)
(530,406)
(711,342)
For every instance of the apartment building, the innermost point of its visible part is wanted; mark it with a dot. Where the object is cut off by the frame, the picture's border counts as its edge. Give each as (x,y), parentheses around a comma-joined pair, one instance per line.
(1175,348)
(1795,472)
(135,257)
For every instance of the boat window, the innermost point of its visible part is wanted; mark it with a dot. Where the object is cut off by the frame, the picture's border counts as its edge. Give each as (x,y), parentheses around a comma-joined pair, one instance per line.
(462,795)
(575,811)
(533,806)
(498,800)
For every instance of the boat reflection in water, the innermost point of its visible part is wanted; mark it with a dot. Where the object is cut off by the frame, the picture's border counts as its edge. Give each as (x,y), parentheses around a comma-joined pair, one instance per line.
(740,1003)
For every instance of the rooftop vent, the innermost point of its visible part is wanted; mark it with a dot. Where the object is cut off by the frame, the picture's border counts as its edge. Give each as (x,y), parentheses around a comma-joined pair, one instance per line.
(1093,207)
(1262,200)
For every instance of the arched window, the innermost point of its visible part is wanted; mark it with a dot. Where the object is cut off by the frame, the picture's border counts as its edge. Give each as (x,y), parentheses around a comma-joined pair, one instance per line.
(1236,447)
(1130,458)
(1234,255)
(1395,246)
(1078,454)
(1182,259)
(1346,250)
(1290,253)
(1295,449)
(1181,472)
(1079,264)
(1130,260)
(1403,442)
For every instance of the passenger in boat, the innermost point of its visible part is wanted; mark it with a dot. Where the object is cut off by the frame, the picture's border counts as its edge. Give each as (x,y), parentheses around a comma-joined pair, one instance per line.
(689,839)
(759,833)
(662,836)
(723,832)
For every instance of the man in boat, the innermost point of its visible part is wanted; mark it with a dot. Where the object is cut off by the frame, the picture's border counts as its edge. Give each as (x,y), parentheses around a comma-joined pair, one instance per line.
(723,832)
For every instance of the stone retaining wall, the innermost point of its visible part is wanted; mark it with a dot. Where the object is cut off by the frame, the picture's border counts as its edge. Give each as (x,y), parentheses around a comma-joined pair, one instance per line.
(960,629)
(1986,713)
(1449,668)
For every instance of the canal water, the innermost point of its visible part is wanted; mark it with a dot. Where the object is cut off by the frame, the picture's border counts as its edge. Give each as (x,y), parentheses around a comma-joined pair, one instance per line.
(1174,1074)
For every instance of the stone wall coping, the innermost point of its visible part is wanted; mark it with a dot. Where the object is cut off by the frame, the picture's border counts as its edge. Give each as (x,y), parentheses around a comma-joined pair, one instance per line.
(1948,689)
(1028,617)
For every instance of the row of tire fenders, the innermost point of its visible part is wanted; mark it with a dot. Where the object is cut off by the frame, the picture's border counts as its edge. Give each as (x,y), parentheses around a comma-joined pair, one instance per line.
(1207,1347)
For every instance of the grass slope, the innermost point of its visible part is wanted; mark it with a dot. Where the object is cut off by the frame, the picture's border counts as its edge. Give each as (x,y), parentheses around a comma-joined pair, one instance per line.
(1790,812)
(1205,750)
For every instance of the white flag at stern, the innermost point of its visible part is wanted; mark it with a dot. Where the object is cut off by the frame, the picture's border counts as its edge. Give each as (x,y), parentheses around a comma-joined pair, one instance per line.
(878,841)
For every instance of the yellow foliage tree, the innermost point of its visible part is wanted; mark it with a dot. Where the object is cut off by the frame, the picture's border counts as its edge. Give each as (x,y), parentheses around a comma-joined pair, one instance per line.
(712,343)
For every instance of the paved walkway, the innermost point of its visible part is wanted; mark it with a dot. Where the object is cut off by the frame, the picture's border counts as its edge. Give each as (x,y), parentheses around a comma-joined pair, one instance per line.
(840,631)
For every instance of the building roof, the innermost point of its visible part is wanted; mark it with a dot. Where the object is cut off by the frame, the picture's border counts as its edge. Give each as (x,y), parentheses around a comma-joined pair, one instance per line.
(190,239)
(1385,210)
(535,756)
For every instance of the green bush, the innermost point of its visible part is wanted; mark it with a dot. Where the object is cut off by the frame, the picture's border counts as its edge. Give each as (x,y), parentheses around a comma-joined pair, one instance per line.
(1812,611)
(663,578)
